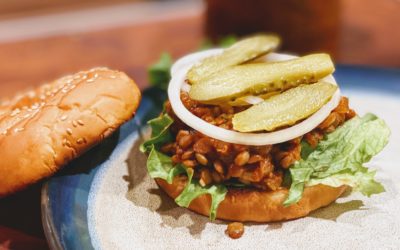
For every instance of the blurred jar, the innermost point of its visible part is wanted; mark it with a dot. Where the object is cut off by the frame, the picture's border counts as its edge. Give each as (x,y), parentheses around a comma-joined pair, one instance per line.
(304,25)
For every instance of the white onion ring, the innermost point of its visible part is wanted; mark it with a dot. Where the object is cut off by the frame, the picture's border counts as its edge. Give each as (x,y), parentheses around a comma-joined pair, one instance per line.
(253,99)
(179,71)
(191,59)
(185,87)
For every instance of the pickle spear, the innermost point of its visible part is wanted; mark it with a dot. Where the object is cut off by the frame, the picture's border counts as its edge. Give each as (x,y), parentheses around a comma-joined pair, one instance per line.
(238,53)
(284,109)
(259,78)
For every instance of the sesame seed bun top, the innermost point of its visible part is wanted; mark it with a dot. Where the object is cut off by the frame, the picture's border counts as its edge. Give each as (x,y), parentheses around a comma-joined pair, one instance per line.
(44,129)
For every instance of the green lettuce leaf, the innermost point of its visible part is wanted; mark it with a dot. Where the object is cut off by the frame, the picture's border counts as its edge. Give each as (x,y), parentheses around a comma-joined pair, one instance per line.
(161,166)
(194,190)
(339,157)
(361,181)
(159,73)
(299,178)
(306,149)
(159,132)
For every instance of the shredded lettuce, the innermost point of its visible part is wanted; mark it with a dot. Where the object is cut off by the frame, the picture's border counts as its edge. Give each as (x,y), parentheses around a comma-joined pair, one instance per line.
(193,190)
(160,133)
(361,181)
(339,157)
(161,166)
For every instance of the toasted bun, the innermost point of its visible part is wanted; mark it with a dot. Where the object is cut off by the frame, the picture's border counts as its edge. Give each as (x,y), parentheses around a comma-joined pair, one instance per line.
(44,129)
(257,206)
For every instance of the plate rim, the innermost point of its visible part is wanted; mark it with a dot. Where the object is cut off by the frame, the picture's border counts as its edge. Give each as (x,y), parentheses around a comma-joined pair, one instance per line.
(50,232)
(52,237)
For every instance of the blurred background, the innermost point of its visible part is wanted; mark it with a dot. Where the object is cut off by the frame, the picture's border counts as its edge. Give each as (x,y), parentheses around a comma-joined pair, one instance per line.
(41,40)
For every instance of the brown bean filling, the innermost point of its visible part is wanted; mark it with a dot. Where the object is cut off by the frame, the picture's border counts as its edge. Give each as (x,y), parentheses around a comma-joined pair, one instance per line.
(216,161)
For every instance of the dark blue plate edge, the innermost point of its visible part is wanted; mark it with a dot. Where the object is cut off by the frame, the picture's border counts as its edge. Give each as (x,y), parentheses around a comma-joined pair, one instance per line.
(344,75)
(48,226)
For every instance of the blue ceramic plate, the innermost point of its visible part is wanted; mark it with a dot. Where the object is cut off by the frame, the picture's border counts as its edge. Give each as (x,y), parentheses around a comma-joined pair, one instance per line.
(86,206)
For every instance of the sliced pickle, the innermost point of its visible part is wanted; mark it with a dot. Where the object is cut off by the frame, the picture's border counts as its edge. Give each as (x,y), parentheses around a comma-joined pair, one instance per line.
(284,109)
(243,100)
(238,53)
(253,79)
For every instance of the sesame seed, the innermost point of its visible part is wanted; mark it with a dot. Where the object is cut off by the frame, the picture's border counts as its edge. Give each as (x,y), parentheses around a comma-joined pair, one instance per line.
(96,75)
(74,123)
(35,106)
(15,112)
(27,115)
(80,122)
(113,76)
(77,77)
(63,118)
(80,140)
(64,90)
(69,131)
(16,130)
(67,143)
(90,80)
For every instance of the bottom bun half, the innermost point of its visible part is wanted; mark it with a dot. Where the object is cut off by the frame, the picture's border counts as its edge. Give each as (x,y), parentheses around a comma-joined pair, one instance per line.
(257,206)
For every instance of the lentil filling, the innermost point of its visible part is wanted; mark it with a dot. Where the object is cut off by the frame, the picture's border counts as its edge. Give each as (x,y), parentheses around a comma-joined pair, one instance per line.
(215,161)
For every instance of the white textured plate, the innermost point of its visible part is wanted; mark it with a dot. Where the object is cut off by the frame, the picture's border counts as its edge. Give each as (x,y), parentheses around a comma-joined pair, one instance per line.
(126,210)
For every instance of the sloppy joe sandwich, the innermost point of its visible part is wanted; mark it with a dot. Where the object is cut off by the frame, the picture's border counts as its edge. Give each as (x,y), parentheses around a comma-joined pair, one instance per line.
(44,129)
(252,135)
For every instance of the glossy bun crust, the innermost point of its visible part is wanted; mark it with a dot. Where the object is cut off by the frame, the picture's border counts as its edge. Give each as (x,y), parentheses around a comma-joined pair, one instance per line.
(44,129)
(257,206)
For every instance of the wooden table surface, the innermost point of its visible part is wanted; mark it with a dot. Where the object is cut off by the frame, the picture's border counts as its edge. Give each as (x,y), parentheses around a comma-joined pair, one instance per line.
(29,58)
